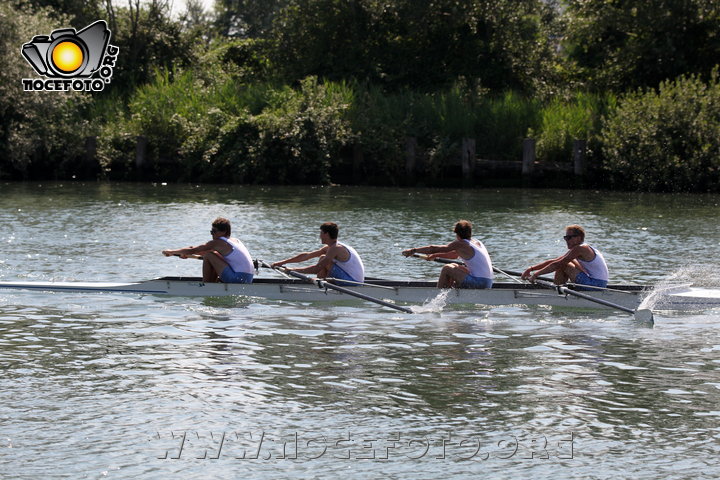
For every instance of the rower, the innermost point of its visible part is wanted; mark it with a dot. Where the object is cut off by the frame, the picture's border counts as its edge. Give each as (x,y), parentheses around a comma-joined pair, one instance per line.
(337,260)
(477,272)
(225,258)
(581,264)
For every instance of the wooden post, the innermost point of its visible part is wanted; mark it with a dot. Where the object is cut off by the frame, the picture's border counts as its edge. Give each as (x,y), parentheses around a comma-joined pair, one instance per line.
(358,160)
(579,149)
(467,157)
(90,166)
(90,150)
(528,160)
(140,149)
(410,155)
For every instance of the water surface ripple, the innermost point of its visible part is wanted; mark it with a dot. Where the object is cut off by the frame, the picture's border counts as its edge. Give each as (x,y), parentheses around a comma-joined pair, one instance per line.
(134,386)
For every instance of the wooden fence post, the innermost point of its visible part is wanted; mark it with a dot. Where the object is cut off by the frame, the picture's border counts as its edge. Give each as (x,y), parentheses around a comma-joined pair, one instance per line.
(410,155)
(90,150)
(467,156)
(528,159)
(579,149)
(140,150)
(358,160)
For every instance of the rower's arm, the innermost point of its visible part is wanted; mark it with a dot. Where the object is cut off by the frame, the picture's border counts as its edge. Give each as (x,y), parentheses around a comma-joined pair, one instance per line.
(184,252)
(301,257)
(312,269)
(323,264)
(550,266)
(430,249)
(452,255)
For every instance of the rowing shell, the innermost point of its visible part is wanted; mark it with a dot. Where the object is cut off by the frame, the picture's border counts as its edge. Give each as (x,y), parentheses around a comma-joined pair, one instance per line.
(630,296)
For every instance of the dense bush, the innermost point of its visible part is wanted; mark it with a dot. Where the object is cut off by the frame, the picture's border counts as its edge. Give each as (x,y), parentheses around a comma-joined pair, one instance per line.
(668,139)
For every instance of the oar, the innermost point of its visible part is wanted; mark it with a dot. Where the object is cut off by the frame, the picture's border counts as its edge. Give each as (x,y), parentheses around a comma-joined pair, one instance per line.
(323,284)
(510,274)
(363,284)
(264,264)
(641,315)
(196,257)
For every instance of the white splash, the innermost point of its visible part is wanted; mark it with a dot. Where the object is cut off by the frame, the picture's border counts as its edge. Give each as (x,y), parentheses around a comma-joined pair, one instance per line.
(695,275)
(435,304)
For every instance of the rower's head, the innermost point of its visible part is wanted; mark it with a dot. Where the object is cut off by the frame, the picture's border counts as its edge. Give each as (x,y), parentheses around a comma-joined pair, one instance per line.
(221,227)
(574,235)
(328,231)
(463,229)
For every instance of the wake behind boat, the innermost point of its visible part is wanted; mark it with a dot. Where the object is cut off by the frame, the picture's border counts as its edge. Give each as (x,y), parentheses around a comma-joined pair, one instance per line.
(400,292)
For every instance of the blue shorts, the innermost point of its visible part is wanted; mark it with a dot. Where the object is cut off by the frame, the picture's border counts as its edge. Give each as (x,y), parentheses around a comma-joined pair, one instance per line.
(583,279)
(476,282)
(228,275)
(340,274)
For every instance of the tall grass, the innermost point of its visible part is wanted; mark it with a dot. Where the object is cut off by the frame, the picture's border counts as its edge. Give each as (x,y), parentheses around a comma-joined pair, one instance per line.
(212,127)
(562,121)
(503,122)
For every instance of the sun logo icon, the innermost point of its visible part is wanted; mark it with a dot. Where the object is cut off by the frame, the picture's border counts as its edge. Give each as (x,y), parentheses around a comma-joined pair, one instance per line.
(67,56)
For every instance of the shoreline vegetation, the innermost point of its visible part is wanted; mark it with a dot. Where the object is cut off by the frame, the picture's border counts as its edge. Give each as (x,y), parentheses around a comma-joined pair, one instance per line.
(576,94)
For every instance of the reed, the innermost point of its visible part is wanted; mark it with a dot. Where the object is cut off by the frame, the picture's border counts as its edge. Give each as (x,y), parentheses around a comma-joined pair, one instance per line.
(564,120)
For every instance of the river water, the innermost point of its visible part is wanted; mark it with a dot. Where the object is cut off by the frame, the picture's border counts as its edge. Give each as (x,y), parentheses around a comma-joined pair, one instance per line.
(133,386)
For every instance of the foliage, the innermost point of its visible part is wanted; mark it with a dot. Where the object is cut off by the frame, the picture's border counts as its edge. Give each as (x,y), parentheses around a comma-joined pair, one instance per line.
(149,39)
(246,18)
(71,12)
(413,44)
(637,43)
(301,132)
(667,139)
(41,135)
(503,122)
(307,91)
(563,121)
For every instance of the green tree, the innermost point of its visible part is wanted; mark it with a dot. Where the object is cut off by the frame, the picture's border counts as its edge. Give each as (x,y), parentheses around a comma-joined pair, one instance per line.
(76,14)
(148,39)
(41,133)
(246,18)
(621,45)
(422,44)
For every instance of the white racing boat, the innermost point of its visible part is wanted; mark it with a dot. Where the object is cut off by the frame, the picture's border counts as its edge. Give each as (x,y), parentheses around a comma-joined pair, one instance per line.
(396,292)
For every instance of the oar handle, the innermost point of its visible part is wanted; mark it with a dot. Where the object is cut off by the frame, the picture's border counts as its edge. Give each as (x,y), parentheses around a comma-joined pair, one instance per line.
(196,257)
(436,259)
(450,261)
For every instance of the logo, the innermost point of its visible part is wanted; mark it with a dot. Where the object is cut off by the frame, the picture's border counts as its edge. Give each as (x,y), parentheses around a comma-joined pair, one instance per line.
(70,60)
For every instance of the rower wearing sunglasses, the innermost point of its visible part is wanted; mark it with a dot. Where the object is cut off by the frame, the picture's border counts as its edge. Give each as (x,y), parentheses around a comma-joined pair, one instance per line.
(582,264)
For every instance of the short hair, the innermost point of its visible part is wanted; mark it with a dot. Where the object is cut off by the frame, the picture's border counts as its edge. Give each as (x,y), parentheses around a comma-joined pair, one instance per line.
(464,229)
(222,224)
(331,229)
(577,230)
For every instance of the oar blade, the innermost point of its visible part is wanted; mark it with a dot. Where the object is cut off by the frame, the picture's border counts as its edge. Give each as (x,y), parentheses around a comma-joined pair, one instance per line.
(644,315)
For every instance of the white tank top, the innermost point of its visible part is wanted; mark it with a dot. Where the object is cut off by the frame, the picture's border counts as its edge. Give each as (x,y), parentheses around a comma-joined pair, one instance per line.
(239,258)
(354,265)
(596,268)
(479,264)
